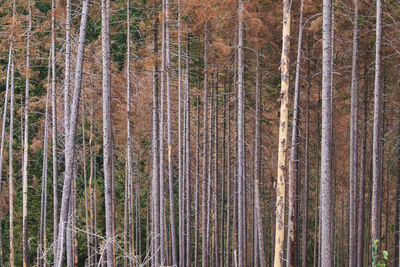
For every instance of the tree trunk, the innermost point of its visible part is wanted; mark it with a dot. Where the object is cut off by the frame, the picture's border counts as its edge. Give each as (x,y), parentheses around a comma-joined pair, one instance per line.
(154,150)
(70,143)
(354,145)
(257,171)
(282,146)
(292,257)
(396,245)
(107,131)
(240,142)
(204,167)
(326,138)
(26,146)
(376,218)
(11,168)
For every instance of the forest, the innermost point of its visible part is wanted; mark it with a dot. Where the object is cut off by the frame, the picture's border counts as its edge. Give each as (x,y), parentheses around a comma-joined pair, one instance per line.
(199,133)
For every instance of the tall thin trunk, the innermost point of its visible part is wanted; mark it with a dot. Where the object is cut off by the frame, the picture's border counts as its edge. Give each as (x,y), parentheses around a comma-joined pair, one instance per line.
(396,239)
(107,131)
(11,168)
(26,146)
(240,142)
(43,204)
(361,200)
(169,135)
(155,237)
(70,143)
(283,125)
(54,113)
(128,181)
(180,165)
(376,218)
(292,256)
(187,163)
(257,171)
(205,140)
(305,190)
(215,182)
(354,145)
(326,138)
(228,185)
(196,199)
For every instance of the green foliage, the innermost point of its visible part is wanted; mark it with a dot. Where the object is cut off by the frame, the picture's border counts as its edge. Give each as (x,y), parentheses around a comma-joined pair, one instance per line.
(43,6)
(376,257)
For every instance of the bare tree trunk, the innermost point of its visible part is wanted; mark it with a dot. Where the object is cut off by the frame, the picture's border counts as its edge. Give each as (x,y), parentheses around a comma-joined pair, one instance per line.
(240,144)
(107,131)
(291,239)
(26,146)
(215,182)
(187,164)
(228,175)
(257,171)
(326,139)
(305,190)
(283,125)
(354,145)
(180,174)
(155,237)
(376,218)
(11,168)
(70,143)
(205,140)
(43,204)
(361,200)
(396,245)
(196,200)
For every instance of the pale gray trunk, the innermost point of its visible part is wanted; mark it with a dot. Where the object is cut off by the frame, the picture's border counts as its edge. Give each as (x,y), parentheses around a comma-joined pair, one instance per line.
(155,237)
(196,198)
(376,218)
(180,172)
(354,145)
(26,146)
(11,168)
(240,142)
(257,172)
(204,167)
(187,164)
(107,131)
(292,242)
(326,138)
(43,204)
(71,137)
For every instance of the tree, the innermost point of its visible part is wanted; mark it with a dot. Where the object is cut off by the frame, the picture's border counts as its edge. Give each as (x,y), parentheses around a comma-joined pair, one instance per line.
(26,144)
(282,143)
(326,137)
(354,145)
(71,137)
(376,216)
(107,131)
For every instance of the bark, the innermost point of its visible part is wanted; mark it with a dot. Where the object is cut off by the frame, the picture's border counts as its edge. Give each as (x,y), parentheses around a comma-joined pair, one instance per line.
(188,164)
(129,176)
(54,115)
(282,146)
(155,237)
(257,171)
(396,239)
(292,256)
(26,146)
(376,217)
(107,131)
(240,143)
(196,199)
(43,204)
(305,190)
(180,165)
(361,200)
(205,140)
(326,138)
(354,145)
(71,137)
(11,168)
